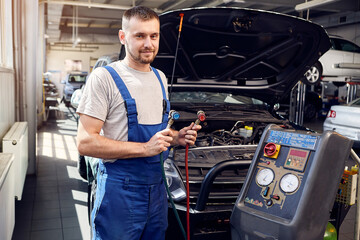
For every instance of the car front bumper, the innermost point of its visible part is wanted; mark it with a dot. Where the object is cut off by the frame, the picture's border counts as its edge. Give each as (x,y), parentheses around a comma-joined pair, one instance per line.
(209,224)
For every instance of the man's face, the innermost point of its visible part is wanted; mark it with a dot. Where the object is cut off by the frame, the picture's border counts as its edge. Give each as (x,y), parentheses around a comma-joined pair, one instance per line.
(141,39)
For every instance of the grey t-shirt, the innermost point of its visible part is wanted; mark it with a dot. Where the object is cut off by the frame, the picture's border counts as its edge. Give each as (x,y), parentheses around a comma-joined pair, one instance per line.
(101,99)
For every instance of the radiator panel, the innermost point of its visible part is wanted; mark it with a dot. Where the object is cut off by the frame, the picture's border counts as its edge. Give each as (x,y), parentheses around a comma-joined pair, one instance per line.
(16,141)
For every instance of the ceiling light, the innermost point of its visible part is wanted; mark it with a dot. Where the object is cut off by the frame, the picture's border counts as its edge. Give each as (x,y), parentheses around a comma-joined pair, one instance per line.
(312,4)
(234,1)
(86,4)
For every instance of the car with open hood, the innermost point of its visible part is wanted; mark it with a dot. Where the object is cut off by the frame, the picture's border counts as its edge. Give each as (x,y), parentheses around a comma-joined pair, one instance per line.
(235,65)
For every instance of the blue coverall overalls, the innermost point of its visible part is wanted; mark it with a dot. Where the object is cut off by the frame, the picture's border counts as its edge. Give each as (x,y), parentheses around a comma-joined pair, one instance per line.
(131,198)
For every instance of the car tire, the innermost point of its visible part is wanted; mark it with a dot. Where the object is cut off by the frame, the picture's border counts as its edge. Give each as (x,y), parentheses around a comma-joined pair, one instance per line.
(339,84)
(309,111)
(313,75)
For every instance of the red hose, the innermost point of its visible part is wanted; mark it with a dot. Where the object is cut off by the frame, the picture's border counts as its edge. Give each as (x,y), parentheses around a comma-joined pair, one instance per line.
(187,192)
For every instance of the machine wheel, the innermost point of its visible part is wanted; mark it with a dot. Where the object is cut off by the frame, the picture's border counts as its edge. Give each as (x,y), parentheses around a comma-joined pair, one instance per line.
(313,75)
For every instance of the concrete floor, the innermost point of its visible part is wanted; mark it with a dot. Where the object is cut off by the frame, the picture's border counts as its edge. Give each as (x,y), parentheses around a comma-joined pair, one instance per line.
(54,204)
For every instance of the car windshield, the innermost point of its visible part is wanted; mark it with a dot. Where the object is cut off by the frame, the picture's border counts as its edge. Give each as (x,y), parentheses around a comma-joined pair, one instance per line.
(213,97)
(77,78)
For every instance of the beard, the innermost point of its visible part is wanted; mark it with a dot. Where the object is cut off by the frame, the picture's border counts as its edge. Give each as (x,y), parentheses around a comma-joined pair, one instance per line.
(138,56)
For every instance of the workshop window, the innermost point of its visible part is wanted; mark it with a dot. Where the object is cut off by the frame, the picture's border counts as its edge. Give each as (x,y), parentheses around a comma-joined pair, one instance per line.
(6,46)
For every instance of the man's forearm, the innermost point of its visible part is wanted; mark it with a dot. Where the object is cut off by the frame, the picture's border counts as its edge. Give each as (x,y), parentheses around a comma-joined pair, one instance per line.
(105,148)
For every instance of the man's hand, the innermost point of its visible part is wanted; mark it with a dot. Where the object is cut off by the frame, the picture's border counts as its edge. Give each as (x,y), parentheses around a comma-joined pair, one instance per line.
(159,142)
(188,135)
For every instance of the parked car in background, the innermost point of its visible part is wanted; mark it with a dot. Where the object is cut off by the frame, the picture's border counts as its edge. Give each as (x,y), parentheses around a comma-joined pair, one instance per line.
(72,82)
(342,60)
(345,119)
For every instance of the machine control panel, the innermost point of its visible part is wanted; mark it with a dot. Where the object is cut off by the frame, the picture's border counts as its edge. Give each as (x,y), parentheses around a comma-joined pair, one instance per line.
(291,185)
(296,159)
(279,179)
(293,139)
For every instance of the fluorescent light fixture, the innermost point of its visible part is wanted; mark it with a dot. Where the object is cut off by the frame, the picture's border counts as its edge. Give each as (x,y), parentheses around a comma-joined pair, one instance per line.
(312,4)
(234,1)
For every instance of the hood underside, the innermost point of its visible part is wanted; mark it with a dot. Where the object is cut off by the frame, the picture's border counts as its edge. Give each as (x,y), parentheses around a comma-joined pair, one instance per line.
(250,52)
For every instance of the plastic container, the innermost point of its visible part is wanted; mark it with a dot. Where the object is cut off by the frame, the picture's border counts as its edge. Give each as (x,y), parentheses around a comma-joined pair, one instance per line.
(242,132)
(249,131)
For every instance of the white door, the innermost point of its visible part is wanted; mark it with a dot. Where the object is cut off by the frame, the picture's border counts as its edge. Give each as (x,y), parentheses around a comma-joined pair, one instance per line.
(351,53)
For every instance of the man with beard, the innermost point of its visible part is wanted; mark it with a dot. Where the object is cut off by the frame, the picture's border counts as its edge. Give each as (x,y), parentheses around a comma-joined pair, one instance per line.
(127,100)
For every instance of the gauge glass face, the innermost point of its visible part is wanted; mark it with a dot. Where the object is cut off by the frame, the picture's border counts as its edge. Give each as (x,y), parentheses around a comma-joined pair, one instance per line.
(289,183)
(265,177)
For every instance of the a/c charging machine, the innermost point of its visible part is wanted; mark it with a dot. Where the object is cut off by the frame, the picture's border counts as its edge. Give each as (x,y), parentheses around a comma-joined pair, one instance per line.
(291,185)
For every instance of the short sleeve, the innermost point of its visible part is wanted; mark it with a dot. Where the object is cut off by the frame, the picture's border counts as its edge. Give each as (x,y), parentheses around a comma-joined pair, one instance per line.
(95,98)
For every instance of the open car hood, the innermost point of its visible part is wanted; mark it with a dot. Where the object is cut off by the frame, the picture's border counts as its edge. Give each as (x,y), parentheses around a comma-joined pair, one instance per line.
(255,53)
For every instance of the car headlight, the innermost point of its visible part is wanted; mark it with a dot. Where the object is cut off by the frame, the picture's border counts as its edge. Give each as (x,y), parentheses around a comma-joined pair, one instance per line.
(174,181)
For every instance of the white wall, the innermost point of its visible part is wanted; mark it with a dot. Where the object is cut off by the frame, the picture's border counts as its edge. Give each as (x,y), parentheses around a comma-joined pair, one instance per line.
(55,61)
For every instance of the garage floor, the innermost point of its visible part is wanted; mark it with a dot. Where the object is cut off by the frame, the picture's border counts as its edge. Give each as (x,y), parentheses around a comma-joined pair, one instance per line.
(54,203)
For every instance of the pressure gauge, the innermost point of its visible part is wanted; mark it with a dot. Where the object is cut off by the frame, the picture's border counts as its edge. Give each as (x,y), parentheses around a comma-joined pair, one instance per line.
(289,183)
(265,177)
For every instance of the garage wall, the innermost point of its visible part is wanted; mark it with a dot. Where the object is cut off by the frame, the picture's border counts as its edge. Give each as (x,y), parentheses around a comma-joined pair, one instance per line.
(55,61)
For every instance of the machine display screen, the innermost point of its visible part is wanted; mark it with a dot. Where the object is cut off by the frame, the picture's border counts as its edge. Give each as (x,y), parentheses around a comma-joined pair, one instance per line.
(296,159)
(293,139)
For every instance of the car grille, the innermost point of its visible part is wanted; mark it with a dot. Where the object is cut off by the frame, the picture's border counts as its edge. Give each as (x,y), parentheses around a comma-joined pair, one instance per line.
(227,185)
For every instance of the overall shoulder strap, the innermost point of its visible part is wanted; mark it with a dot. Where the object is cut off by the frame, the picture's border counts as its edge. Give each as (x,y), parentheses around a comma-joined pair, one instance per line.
(119,83)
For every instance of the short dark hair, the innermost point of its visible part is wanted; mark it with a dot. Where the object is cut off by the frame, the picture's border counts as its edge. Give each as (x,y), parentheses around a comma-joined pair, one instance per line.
(141,12)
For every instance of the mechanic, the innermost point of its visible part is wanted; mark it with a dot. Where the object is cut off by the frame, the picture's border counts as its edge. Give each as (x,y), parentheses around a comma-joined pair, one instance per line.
(127,100)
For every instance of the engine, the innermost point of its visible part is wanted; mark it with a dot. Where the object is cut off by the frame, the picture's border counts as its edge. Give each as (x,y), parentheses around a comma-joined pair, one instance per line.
(240,133)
